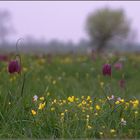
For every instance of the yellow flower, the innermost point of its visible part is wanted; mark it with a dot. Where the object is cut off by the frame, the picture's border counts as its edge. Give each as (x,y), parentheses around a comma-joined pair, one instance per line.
(101,133)
(64,101)
(54,82)
(91,108)
(89,127)
(96,114)
(117,102)
(88,98)
(82,97)
(42,98)
(83,110)
(54,101)
(135,103)
(97,107)
(33,112)
(101,84)
(136,112)
(41,61)
(127,104)
(77,99)
(112,130)
(83,102)
(52,109)
(41,106)
(79,105)
(71,99)
(48,93)
(62,114)
(122,100)
(25,69)
(90,101)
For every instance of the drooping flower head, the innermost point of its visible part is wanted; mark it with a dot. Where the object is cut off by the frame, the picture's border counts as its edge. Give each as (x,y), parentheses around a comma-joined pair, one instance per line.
(14,67)
(118,66)
(3,58)
(106,70)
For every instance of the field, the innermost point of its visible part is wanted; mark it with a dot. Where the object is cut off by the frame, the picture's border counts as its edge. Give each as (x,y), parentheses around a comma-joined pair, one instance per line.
(69,97)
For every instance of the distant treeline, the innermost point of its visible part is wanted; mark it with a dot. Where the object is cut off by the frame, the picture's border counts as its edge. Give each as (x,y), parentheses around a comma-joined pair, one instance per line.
(59,47)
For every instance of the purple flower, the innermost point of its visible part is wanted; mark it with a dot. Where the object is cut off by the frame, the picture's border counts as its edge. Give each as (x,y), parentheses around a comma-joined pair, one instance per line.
(106,69)
(14,67)
(118,66)
(3,58)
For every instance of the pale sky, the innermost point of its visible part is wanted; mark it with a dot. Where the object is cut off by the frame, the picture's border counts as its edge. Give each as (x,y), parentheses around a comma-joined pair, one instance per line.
(63,20)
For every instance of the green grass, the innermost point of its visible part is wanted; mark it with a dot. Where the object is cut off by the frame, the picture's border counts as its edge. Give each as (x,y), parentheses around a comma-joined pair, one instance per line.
(79,77)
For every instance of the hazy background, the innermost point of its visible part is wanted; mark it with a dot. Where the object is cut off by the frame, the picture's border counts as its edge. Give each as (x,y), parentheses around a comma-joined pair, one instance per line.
(63,21)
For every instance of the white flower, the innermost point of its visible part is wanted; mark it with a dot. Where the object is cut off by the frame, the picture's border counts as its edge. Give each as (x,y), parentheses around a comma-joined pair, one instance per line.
(118,98)
(111,98)
(35,98)
(123,122)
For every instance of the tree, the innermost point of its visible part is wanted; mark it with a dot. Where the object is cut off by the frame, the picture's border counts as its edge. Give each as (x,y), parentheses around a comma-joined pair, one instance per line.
(5,25)
(105,25)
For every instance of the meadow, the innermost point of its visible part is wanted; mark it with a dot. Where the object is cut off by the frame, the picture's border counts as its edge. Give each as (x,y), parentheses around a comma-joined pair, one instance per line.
(69,97)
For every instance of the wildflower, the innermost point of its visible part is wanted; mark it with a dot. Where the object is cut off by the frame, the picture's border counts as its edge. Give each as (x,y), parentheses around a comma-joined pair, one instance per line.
(88,98)
(52,109)
(101,133)
(64,101)
(97,107)
(96,114)
(136,113)
(82,97)
(101,84)
(62,114)
(122,100)
(112,130)
(87,117)
(106,70)
(3,58)
(13,78)
(35,98)
(111,98)
(77,99)
(89,127)
(118,66)
(66,110)
(33,112)
(25,69)
(14,67)
(41,106)
(91,108)
(42,98)
(48,93)
(54,101)
(117,102)
(118,98)
(71,99)
(135,103)
(123,122)
(83,102)
(54,82)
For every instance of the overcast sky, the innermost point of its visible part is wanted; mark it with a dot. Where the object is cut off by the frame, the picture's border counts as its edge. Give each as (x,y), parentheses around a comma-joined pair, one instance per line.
(64,20)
